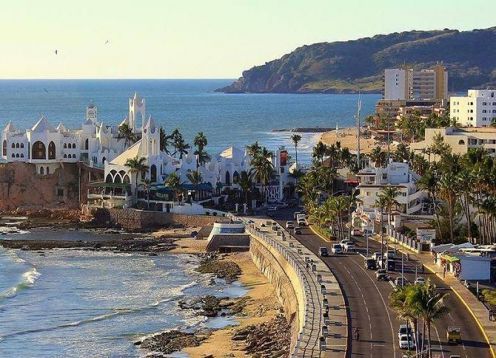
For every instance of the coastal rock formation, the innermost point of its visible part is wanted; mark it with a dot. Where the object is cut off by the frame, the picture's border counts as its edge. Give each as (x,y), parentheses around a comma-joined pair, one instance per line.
(173,341)
(225,269)
(358,65)
(22,188)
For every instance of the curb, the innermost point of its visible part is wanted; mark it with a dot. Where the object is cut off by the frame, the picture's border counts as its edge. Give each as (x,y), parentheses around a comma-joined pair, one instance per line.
(319,235)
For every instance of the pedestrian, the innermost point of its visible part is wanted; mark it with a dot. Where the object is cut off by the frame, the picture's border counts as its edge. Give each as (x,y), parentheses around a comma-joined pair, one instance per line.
(356,334)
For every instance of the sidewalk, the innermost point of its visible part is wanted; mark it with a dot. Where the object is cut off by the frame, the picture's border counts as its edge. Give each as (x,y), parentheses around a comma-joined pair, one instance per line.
(474,306)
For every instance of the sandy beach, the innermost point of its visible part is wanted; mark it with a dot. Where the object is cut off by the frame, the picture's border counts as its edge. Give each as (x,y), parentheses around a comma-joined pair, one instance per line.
(348,139)
(262,306)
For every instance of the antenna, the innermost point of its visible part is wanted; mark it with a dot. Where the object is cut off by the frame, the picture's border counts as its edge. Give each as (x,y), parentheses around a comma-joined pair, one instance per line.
(357,117)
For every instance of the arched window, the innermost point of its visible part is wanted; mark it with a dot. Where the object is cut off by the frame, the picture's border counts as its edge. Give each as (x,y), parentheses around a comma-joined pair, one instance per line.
(13,155)
(461,142)
(117,179)
(17,145)
(42,170)
(22,155)
(65,155)
(22,145)
(17,155)
(153,173)
(51,150)
(4,148)
(108,178)
(48,170)
(86,144)
(65,145)
(39,150)
(126,179)
(104,160)
(74,145)
(13,145)
(228,178)
(236,177)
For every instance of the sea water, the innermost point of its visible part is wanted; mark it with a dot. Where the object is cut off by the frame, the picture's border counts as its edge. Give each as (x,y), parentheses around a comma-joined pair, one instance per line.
(190,105)
(74,303)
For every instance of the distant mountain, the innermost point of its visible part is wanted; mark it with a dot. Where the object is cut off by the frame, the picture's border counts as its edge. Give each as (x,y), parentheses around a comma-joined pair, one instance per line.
(349,66)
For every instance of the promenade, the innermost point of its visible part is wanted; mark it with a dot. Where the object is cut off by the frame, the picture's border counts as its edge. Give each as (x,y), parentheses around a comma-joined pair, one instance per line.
(324,328)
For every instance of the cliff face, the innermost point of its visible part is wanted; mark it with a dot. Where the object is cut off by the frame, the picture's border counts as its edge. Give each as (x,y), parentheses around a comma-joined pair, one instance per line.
(21,187)
(349,66)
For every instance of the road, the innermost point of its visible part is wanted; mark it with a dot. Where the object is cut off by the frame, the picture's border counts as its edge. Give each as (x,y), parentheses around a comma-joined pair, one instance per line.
(367,301)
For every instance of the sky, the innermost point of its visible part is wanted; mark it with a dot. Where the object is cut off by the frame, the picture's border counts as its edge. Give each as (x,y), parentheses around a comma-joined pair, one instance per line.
(199,38)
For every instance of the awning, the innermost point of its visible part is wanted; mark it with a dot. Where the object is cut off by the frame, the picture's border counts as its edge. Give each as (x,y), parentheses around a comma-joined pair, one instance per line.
(109,185)
(450,258)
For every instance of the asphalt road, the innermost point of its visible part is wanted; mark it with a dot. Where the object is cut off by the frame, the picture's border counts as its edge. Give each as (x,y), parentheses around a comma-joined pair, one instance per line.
(367,300)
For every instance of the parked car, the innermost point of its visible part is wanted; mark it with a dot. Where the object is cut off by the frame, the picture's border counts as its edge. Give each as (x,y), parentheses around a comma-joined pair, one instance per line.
(453,335)
(406,342)
(357,232)
(297,230)
(381,275)
(295,214)
(419,280)
(323,251)
(400,281)
(370,264)
(344,242)
(349,247)
(289,224)
(302,222)
(336,249)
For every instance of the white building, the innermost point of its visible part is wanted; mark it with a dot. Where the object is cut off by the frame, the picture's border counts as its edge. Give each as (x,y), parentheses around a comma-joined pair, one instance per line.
(49,147)
(409,84)
(374,180)
(477,109)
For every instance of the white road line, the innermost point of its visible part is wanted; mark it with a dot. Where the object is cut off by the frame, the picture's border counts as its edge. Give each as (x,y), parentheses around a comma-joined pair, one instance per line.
(439,340)
(385,307)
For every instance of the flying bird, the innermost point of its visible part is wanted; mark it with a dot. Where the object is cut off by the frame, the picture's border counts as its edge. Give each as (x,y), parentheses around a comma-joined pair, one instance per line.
(56,52)
(107,42)
(44,89)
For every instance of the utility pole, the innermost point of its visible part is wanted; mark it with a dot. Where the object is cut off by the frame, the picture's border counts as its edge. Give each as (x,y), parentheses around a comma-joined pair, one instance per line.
(359,107)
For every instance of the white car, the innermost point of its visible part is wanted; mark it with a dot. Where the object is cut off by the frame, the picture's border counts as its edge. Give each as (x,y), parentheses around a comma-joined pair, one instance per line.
(400,281)
(336,249)
(349,246)
(419,280)
(406,342)
(405,329)
(289,224)
(345,242)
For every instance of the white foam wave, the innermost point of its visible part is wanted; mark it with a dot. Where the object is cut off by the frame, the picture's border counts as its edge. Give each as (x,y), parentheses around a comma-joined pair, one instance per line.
(28,280)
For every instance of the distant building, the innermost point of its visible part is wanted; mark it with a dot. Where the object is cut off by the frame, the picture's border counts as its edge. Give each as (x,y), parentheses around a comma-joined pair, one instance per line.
(460,140)
(400,108)
(374,180)
(477,109)
(409,84)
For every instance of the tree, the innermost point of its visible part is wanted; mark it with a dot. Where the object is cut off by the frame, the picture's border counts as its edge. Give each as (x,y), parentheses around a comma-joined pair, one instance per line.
(180,146)
(165,141)
(138,167)
(387,197)
(245,184)
(262,168)
(126,133)
(400,302)
(296,138)
(378,157)
(202,156)
(173,182)
(254,149)
(146,184)
(195,178)
(319,151)
(429,183)
(380,203)
(448,192)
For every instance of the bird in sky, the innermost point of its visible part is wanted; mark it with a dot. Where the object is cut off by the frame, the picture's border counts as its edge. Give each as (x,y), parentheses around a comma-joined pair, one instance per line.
(107,42)
(56,52)
(44,89)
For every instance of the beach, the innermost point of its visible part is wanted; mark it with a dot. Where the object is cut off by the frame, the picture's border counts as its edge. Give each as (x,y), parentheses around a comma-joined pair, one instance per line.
(348,139)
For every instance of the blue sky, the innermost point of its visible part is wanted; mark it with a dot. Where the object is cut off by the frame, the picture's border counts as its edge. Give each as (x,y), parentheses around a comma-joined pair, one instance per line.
(198,39)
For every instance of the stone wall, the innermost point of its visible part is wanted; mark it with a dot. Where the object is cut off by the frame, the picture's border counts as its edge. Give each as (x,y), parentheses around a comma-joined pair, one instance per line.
(139,220)
(285,281)
(21,187)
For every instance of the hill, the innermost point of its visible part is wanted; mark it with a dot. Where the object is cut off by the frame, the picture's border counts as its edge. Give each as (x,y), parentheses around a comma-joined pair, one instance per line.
(349,66)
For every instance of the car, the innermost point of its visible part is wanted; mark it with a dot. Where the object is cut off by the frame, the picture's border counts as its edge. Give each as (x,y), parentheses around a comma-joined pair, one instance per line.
(381,275)
(400,281)
(419,280)
(323,251)
(453,335)
(302,222)
(405,329)
(297,230)
(344,242)
(295,215)
(376,256)
(349,246)
(336,249)
(391,254)
(406,342)
(370,263)
(289,224)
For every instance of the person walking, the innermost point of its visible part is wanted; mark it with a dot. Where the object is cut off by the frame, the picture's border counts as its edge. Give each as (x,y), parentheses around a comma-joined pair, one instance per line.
(356,334)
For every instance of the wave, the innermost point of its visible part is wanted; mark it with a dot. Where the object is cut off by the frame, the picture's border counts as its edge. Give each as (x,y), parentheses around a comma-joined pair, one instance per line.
(175,295)
(27,281)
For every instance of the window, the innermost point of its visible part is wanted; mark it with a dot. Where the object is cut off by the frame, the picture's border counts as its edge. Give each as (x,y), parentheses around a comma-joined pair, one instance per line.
(13,145)
(461,142)
(4,148)
(22,155)
(39,150)
(73,145)
(22,145)
(17,145)
(65,145)
(60,192)
(65,155)
(51,151)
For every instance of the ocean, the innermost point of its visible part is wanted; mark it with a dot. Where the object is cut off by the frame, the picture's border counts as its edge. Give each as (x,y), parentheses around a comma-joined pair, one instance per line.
(190,105)
(73,303)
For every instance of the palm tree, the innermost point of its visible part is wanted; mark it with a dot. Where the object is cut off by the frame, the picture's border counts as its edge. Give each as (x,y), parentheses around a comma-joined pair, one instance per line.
(388,196)
(262,168)
(253,150)
(180,146)
(400,302)
(448,192)
(138,167)
(319,151)
(378,157)
(146,184)
(165,141)
(173,182)
(296,139)
(202,157)
(126,133)
(195,177)
(429,183)
(245,184)
(380,203)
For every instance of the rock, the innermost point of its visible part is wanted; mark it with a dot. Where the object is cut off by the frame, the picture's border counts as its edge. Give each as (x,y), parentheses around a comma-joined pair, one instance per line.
(173,341)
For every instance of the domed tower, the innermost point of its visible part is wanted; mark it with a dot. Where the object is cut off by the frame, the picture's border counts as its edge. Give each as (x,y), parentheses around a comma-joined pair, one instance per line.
(136,108)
